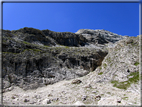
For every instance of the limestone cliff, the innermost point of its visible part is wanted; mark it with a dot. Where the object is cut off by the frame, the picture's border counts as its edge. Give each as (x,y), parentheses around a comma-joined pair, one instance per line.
(105,64)
(31,56)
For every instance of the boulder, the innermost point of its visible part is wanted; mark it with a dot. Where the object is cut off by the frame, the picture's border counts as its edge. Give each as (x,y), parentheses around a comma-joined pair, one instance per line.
(76,81)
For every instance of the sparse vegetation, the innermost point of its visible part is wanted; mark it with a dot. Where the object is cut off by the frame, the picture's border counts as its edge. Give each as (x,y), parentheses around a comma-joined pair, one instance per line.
(105,65)
(126,84)
(136,63)
(9,53)
(125,98)
(100,73)
(108,59)
(26,43)
(100,67)
(108,93)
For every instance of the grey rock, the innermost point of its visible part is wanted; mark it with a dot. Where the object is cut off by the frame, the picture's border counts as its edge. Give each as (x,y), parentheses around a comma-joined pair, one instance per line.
(79,103)
(6,84)
(98,97)
(26,100)
(100,36)
(66,38)
(37,96)
(55,99)
(84,97)
(88,86)
(76,81)
(10,88)
(46,101)
(14,97)
(94,91)
(118,101)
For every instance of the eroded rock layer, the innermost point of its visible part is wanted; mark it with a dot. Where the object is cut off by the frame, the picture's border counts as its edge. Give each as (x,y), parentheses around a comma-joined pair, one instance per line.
(32,58)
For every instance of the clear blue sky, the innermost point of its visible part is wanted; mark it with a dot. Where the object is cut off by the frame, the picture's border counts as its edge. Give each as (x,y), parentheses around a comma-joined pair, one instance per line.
(120,18)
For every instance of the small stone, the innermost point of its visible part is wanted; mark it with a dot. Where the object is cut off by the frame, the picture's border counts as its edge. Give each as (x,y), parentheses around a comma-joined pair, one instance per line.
(13,97)
(49,95)
(76,81)
(26,100)
(55,99)
(84,97)
(25,95)
(88,86)
(98,97)
(6,84)
(119,101)
(37,96)
(32,102)
(79,103)
(10,88)
(46,101)
(94,91)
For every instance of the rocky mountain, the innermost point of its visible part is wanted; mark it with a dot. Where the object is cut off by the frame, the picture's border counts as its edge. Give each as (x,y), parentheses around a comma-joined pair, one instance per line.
(33,59)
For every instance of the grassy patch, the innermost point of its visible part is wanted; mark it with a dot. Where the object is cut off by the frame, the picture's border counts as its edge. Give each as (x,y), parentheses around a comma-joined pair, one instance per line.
(100,73)
(100,67)
(125,98)
(26,43)
(108,93)
(46,46)
(9,53)
(34,50)
(126,84)
(136,63)
(108,59)
(66,46)
(105,65)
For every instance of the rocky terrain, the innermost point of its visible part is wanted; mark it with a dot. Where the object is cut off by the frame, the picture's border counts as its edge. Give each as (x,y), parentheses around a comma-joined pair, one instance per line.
(89,67)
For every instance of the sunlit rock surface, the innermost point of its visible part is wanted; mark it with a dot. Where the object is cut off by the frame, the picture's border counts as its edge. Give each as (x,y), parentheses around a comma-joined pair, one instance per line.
(94,67)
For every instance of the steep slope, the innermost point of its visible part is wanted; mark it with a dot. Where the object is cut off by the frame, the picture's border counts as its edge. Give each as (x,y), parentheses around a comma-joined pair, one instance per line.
(121,65)
(101,68)
(31,65)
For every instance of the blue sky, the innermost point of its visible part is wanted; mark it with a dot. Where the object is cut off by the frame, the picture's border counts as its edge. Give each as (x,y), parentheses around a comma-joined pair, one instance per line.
(120,18)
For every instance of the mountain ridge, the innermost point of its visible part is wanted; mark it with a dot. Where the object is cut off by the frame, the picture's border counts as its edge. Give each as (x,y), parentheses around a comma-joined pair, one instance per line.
(35,58)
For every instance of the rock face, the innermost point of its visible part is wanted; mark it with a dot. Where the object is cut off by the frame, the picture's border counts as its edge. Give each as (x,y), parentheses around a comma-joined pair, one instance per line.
(104,67)
(66,38)
(100,36)
(30,65)
(121,65)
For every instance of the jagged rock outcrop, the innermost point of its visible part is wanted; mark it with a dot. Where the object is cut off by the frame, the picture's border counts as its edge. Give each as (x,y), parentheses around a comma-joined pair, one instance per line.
(66,38)
(26,63)
(121,65)
(100,38)
(30,35)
